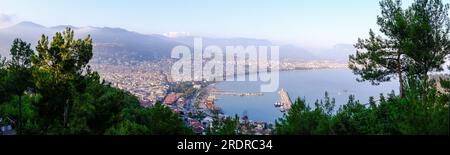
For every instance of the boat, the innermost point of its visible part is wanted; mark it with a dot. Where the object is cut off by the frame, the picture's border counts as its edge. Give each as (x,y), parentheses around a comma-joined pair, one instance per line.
(278,104)
(285,102)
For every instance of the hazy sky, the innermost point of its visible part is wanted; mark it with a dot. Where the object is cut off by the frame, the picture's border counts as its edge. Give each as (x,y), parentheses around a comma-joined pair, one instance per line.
(307,23)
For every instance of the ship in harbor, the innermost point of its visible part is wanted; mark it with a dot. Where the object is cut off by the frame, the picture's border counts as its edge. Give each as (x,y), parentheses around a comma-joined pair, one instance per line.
(285,102)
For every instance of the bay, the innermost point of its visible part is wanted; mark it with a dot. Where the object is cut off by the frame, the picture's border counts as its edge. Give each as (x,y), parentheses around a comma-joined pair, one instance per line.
(310,85)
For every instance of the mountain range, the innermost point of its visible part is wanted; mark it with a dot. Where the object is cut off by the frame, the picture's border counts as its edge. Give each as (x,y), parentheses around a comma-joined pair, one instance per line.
(113,43)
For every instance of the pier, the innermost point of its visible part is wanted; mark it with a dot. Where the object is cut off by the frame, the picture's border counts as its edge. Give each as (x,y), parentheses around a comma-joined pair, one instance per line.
(285,101)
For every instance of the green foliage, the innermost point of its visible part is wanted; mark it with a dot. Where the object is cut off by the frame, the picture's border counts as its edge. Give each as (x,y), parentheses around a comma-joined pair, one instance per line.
(64,56)
(3,81)
(423,111)
(158,120)
(416,37)
(224,126)
(2,62)
(16,77)
(27,110)
(59,67)
(304,120)
(127,128)
(428,43)
(55,92)
(379,59)
(16,73)
(415,43)
(21,53)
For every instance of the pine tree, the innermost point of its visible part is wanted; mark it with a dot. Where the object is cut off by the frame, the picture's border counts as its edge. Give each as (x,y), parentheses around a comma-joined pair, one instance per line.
(428,41)
(19,76)
(415,38)
(60,64)
(379,59)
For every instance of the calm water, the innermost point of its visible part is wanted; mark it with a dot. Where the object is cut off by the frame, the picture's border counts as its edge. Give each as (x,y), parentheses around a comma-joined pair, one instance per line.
(309,85)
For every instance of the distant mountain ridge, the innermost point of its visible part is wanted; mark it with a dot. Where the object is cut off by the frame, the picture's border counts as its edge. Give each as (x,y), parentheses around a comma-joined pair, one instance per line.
(109,43)
(118,43)
(339,52)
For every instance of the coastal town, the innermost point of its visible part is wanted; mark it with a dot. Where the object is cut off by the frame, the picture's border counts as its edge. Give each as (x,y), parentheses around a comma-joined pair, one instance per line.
(150,81)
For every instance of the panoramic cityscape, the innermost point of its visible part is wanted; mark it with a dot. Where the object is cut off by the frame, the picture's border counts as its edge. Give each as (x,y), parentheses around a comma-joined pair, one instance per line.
(224,68)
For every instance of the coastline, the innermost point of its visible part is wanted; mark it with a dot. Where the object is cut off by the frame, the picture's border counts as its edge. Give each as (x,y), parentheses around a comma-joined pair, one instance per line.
(212,87)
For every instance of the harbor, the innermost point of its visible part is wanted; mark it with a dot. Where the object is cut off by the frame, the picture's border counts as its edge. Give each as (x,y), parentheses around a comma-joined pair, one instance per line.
(285,102)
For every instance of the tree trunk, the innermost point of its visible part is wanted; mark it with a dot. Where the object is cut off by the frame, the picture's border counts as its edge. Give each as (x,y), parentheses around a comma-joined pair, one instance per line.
(400,76)
(19,121)
(66,111)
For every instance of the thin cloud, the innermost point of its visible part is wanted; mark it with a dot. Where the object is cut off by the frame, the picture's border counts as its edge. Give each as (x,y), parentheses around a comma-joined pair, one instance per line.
(6,19)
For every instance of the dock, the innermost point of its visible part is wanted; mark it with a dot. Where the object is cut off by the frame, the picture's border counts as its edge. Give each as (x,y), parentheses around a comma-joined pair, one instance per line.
(285,100)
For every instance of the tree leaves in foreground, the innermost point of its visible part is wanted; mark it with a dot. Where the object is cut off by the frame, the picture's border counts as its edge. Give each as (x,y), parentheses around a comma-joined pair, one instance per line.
(59,94)
(417,37)
(224,126)
(423,111)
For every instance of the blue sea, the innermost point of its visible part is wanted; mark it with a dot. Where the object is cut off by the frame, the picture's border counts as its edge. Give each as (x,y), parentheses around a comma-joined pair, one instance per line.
(310,85)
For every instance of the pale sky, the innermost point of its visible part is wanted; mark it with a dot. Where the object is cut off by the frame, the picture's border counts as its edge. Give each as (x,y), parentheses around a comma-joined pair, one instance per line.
(306,23)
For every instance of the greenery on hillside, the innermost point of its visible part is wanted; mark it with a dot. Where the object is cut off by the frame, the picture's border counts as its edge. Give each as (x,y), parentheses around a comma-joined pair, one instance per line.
(225,126)
(415,42)
(422,111)
(56,92)
(413,38)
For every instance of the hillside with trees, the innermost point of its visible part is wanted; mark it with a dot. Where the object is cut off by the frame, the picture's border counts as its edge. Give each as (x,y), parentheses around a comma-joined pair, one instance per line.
(415,42)
(54,92)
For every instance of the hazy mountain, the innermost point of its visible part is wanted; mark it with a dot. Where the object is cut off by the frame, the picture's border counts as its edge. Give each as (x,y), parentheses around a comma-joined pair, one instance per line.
(294,52)
(339,52)
(111,44)
(26,31)
(224,41)
(286,51)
